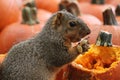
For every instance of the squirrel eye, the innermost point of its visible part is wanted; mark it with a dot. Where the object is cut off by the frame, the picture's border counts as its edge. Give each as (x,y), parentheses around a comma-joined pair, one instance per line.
(72,24)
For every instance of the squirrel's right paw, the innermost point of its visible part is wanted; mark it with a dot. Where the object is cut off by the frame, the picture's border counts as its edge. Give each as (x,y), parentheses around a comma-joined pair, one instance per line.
(83,46)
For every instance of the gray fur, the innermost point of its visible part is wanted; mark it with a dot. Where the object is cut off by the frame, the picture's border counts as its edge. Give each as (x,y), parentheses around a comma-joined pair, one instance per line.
(40,57)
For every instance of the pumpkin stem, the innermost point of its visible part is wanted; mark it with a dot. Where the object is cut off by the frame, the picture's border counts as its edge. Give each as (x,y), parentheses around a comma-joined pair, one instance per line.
(29,13)
(71,6)
(109,17)
(97,1)
(104,39)
(117,10)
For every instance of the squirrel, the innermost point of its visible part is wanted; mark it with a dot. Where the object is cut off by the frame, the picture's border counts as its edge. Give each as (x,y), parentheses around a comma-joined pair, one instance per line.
(42,56)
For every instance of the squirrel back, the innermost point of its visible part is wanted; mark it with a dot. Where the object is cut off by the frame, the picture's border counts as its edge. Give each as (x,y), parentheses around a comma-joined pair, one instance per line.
(41,57)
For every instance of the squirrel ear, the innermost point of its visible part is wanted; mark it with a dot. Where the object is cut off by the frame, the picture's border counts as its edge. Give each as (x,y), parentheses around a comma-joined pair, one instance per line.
(57,19)
(73,8)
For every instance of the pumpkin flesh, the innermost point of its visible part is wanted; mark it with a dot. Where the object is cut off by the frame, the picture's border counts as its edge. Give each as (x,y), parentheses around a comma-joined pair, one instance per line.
(99,58)
(99,63)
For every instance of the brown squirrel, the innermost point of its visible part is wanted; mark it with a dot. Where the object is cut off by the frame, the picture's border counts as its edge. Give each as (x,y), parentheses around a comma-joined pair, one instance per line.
(42,56)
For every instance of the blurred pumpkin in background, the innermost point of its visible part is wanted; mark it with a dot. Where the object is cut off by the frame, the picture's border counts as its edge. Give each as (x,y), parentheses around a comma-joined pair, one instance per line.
(84,0)
(117,13)
(9,12)
(96,7)
(113,2)
(32,23)
(49,5)
(90,19)
(110,24)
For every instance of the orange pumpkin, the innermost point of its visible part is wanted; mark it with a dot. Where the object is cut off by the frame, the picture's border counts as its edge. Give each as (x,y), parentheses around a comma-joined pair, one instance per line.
(117,12)
(90,19)
(49,5)
(110,25)
(18,31)
(113,2)
(43,15)
(84,0)
(9,12)
(96,7)
(100,62)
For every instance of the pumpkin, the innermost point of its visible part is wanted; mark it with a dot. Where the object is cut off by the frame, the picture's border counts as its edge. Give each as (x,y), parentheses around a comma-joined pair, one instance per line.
(100,62)
(117,13)
(9,12)
(113,2)
(26,29)
(96,7)
(84,1)
(90,19)
(72,7)
(49,5)
(110,25)
(43,15)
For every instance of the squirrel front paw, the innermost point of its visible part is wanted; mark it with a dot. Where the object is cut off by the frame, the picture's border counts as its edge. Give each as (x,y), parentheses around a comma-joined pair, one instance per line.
(83,46)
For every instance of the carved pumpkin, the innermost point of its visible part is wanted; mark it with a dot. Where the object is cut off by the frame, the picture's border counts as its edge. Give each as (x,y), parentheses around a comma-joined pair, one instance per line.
(100,62)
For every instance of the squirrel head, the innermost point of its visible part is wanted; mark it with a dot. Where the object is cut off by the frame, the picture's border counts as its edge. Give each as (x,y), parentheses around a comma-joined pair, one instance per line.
(71,27)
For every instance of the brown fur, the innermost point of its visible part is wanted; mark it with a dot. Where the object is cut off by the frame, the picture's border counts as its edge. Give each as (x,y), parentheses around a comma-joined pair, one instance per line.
(40,57)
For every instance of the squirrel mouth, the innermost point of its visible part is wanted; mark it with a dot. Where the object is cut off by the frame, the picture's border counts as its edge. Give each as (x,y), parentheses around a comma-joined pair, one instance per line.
(79,37)
(78,40)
